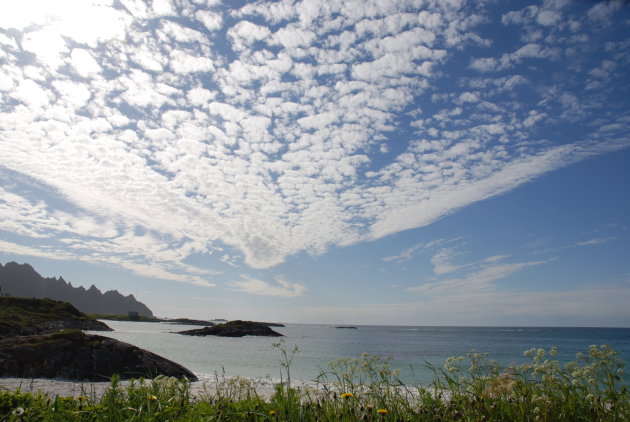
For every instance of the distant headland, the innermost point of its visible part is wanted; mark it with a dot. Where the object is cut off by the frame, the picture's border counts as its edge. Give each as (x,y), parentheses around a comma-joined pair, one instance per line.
(22,280)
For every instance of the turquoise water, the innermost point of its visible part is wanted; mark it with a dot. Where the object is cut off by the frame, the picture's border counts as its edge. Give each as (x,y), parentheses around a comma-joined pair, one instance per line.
(409,347)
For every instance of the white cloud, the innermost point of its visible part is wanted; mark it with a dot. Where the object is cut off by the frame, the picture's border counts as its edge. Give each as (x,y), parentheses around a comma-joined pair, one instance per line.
(200,96)
(163,8)
(185,63)
(31,94)
(603,11)
(84,63)
(468,97)
(548,17)
(281,288)
(487,64)
(405,255)
(245,33)
(212,21)
(268,147)
(291,36)
(482,278)
(597,241)
(442,262)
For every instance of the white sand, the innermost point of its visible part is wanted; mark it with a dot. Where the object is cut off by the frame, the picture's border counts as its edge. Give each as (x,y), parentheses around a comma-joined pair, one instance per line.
(205,387)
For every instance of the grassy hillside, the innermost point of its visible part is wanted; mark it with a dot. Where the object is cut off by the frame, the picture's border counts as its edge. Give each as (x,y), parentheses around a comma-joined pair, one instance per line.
(26,316)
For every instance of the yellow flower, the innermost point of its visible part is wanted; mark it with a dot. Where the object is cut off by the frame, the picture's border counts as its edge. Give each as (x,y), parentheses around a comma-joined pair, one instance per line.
(347,395)
(81,398)
(151,397)
(273,412)
(382,411)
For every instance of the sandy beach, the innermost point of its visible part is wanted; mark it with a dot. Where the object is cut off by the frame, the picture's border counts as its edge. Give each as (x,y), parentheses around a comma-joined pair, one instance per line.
(204,387)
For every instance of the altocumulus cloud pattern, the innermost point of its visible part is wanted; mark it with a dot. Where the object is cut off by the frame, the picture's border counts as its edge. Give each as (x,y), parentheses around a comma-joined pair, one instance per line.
(141,133)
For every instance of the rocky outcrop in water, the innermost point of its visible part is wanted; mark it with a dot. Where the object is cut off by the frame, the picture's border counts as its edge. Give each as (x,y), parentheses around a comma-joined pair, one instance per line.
(74,355)
(188,321)
(236,328)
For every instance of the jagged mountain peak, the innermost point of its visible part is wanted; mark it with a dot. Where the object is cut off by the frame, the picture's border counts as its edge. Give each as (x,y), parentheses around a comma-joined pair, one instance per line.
(22,280)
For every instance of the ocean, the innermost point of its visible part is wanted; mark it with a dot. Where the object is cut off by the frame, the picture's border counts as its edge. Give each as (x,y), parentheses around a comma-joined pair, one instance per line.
(409,347)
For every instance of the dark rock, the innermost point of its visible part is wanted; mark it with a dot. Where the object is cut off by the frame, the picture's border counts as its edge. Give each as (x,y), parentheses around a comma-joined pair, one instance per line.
(236,328)
(74,355)
(272,324)
(20,316)
(187,321)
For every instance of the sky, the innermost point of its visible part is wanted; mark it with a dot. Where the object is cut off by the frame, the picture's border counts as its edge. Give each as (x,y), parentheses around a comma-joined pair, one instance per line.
(358,162)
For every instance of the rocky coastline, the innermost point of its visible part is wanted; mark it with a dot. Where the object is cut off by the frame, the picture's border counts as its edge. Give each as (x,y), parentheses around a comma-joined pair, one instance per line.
(74,355)
(42,338)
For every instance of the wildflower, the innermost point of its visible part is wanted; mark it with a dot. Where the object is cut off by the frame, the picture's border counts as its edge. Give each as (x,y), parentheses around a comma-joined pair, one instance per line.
(273,412)
(382,411)
(347,395)
(151,397)
(19,411)
(81,398)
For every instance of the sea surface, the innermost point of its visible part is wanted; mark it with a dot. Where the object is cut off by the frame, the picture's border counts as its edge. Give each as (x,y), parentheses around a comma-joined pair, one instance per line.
(409,347)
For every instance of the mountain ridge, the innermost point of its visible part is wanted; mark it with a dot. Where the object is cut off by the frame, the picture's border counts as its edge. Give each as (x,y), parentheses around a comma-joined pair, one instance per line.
(22,280)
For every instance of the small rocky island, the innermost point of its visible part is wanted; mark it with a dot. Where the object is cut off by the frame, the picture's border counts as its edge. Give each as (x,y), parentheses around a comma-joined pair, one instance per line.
(235,328)
(42,338)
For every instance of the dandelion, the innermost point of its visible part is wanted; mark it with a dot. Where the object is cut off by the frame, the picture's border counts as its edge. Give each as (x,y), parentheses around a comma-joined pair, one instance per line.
(347,395)
(151,397)
(382,411)
(18,411)
(273,413)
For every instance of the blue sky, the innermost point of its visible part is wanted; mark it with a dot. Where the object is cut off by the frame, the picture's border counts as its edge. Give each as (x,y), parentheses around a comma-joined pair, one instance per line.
(364,162)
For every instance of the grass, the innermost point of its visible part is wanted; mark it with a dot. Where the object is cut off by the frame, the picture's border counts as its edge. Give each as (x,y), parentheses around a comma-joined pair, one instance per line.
(466,388)
(29,316)
(21,311)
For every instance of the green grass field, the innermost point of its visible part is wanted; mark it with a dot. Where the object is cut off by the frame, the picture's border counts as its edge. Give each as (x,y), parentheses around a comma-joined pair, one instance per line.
(468,388)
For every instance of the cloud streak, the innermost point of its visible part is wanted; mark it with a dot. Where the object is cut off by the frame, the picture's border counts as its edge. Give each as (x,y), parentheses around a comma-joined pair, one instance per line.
(281,288)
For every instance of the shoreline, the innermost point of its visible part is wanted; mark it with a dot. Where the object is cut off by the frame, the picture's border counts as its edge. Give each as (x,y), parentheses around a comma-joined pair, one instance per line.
(207,385)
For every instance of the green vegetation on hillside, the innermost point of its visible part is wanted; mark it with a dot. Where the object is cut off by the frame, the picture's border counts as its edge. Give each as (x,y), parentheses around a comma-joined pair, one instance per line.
(38,308)
(471,388)
(29,316)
